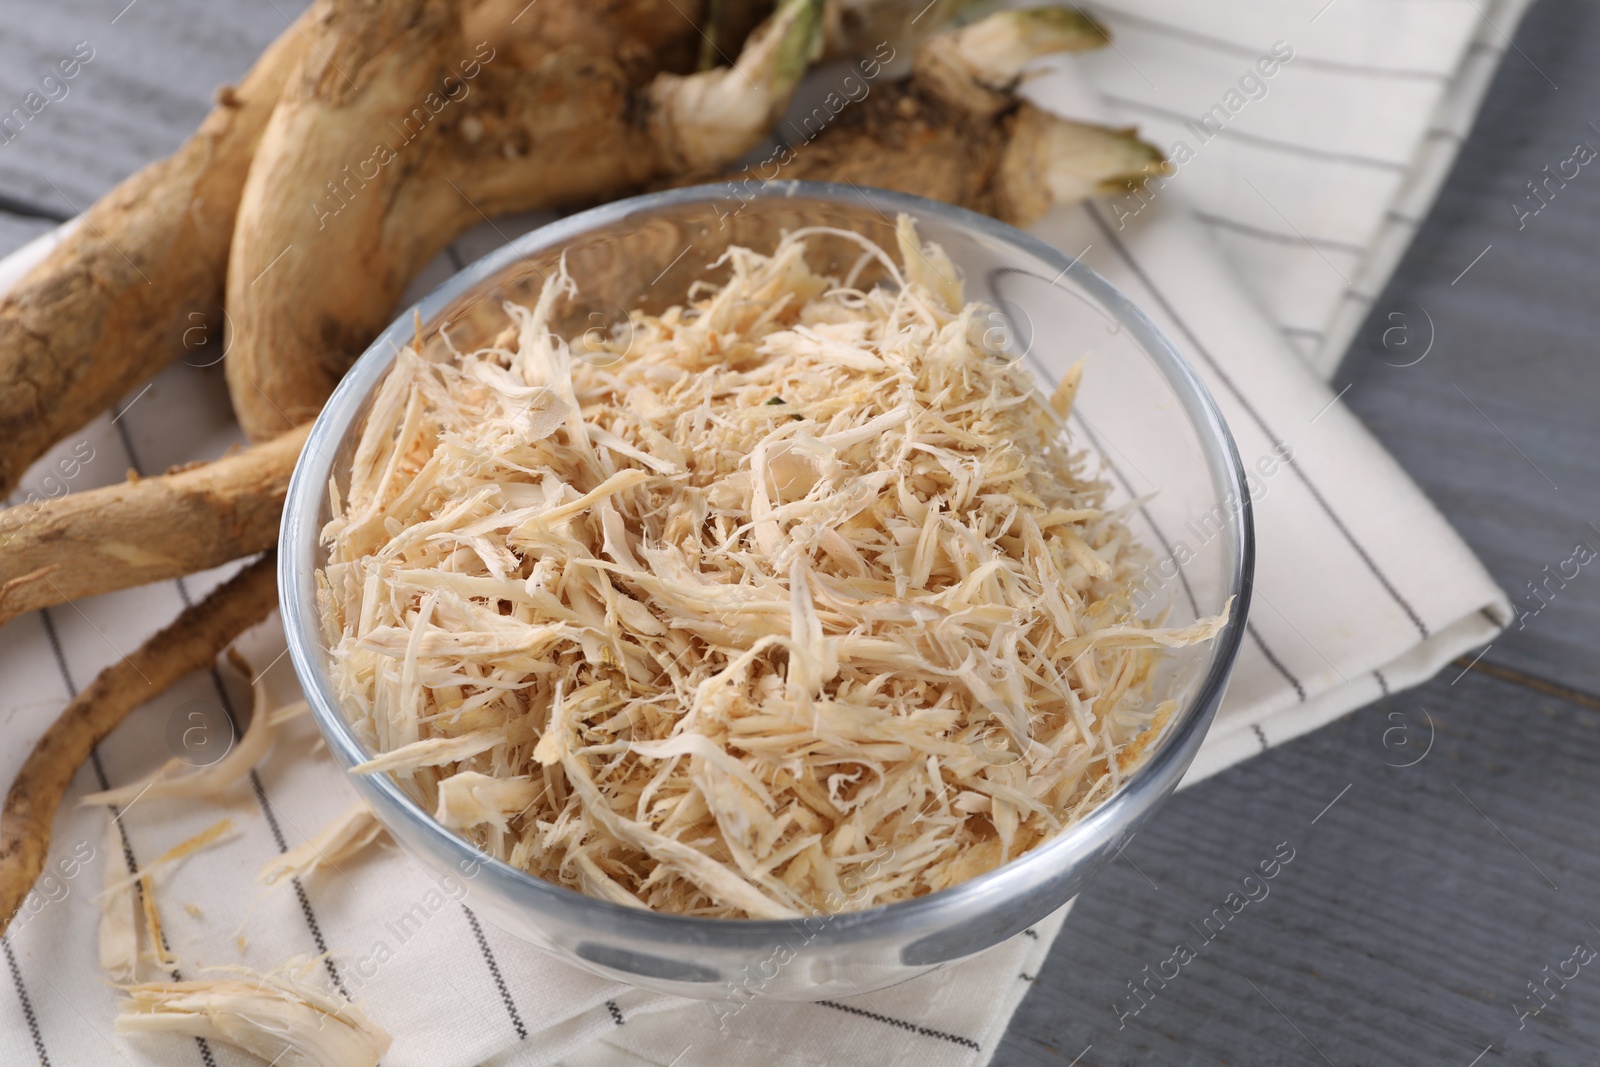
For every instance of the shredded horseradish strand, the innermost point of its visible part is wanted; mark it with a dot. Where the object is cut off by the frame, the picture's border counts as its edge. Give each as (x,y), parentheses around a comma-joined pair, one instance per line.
(279,1016)
(793,600)
(345,835)
(211,781)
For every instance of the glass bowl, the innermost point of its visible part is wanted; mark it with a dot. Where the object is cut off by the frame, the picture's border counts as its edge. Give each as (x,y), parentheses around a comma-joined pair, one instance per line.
(1141,413)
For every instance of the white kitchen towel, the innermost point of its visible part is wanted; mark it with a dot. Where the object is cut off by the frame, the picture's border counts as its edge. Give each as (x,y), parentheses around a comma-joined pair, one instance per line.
(1361,586)
(1313,178)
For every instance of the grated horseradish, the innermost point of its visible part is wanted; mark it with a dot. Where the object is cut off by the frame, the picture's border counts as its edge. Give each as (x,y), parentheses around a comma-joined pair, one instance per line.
(800,602)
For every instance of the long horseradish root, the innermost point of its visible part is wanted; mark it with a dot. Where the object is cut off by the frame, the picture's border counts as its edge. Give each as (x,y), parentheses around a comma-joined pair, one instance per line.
(954,131)
(98,315)
(506,141)
(192,641)
(798,600)
(146,530)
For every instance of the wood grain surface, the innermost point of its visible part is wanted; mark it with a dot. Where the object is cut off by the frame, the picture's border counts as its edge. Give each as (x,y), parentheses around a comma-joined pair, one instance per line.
(1420,904)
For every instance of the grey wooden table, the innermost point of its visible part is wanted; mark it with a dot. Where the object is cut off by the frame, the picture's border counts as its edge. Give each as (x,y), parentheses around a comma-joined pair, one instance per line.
(1422,899)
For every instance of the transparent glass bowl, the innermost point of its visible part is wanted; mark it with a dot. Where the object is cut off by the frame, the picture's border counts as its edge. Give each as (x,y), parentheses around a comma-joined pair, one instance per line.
(1141,411)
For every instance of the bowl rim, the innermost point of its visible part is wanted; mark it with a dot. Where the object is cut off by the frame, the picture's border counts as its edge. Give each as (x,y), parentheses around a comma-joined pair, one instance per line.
(1149,783)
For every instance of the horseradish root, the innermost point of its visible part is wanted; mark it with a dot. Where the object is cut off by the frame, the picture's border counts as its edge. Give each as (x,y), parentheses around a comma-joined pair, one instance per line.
(192,641)
(799,600)
(109,306)
(146,530)
(505,140)
(644,37)
(368,66)
(976,67)
(280,1016)
(955,132)
(709,119)
(1014,167)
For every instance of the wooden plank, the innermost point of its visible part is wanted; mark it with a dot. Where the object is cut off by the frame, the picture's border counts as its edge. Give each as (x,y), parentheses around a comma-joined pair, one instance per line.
(1499,422)
(155,66)
(1403,929)
(16,232)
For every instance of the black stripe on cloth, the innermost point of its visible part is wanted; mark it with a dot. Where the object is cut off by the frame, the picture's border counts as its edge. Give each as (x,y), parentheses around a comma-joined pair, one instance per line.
(1219,44)
(1127,486)
(306,910)
(61,660)
(1295,240)
(1273,143)
(122,831)
(940,1035)
(260,791)
(1261,735)
(206,1056)
(1383,683)
(27,1005)
(94,753)
(1144,510)
(1261,423)
(1183,576)
(28,210)
(133,461)
(1277,663)
(1166,545)
(270,814)
(500,982)
(616,1012)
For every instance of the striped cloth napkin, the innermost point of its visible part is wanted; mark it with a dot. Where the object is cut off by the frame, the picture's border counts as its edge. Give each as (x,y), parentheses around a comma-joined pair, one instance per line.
(1314,136)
